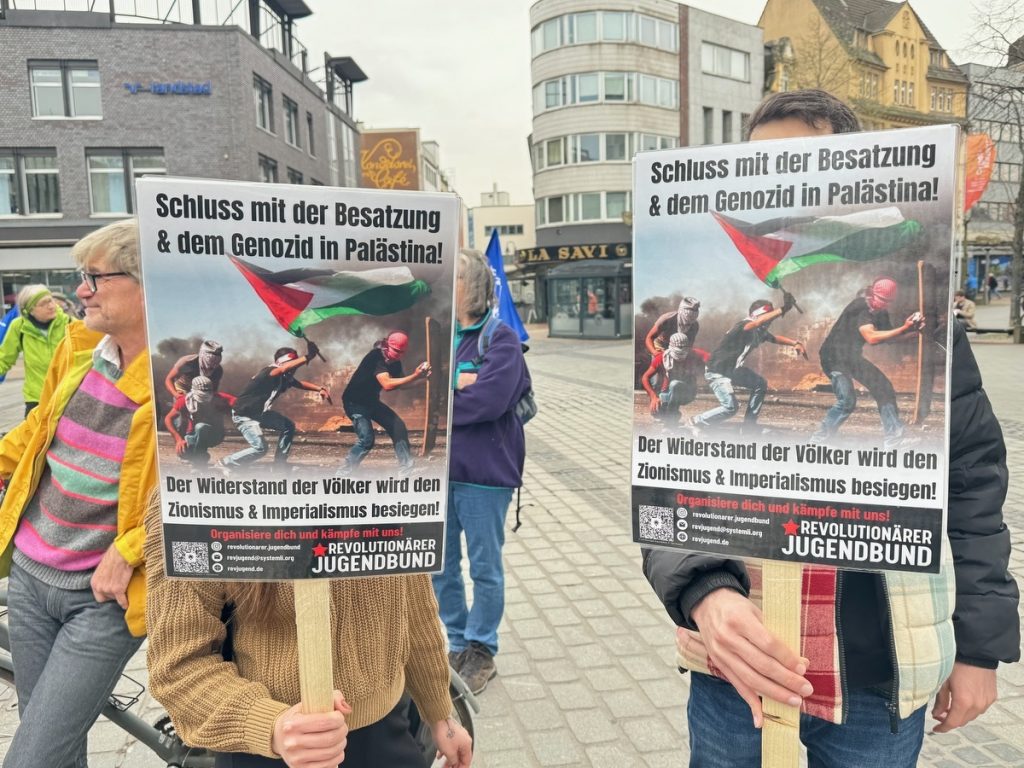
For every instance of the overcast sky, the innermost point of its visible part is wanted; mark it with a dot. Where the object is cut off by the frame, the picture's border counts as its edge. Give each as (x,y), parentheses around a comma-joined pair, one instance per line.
(459,70)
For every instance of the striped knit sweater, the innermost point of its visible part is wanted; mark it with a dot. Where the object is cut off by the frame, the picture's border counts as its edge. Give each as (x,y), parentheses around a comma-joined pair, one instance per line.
(72,518)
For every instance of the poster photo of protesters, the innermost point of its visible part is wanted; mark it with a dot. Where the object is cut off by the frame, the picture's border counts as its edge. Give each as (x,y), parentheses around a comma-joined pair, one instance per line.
(821,269)
(287,328)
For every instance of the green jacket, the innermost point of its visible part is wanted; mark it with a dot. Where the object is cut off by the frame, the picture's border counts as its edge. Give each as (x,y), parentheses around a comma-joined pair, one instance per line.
(23,337)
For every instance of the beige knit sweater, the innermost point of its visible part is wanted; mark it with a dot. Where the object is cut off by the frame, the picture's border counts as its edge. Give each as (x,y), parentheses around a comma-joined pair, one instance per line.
(387,637)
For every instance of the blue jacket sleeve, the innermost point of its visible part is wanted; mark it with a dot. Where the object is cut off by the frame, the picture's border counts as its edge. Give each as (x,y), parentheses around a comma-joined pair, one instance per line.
(501,381)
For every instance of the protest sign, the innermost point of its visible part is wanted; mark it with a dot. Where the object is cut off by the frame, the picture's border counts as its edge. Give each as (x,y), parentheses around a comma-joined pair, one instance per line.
(787,412)
(273,311)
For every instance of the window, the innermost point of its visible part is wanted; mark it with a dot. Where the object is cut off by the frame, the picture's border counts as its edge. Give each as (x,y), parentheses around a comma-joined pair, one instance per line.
(709,125)
(725,62)
(615,146)
(616,86)
(294,177)
(29,182)
(590,206)
(587,148)
(587,88)
(268,170)
(554,152)
(616,203)
(263,97)
(65,88)
(613,26)
(309,133)
(555,210)
(726,126)
(583,27)
(291,122)
(648,29)
(112,175)
(667,36)
(910,94)
(551,34)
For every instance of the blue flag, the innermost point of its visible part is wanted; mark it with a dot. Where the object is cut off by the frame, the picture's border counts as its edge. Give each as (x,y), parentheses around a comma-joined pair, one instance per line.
(504,308)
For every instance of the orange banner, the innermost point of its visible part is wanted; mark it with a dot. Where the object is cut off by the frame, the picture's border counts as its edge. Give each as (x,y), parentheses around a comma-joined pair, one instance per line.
(981,158)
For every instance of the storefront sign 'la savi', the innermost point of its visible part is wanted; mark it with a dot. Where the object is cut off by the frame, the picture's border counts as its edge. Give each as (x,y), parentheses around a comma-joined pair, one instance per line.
(575,253)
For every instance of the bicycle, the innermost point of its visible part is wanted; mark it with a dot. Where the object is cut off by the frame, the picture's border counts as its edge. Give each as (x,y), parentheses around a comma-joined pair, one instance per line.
(161,738)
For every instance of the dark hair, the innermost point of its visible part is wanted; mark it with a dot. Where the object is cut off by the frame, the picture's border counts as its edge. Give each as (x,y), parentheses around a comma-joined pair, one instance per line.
(758,304)
(285,351)
(814,107)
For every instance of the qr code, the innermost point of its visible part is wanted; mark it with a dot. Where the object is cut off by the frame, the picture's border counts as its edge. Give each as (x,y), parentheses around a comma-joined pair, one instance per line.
(655,523)
(190,556)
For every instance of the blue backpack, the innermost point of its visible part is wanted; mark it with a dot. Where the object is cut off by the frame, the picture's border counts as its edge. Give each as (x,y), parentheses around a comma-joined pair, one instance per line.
(526,408)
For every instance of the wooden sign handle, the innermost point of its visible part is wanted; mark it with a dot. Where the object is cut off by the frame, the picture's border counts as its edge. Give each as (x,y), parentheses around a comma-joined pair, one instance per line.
(316,659)
(780,735)
(920,343)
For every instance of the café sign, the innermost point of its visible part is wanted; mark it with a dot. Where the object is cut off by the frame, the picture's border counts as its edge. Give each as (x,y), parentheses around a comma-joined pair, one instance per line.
(583,252)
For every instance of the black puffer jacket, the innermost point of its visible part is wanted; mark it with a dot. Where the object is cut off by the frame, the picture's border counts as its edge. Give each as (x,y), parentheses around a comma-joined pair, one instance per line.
(985,621)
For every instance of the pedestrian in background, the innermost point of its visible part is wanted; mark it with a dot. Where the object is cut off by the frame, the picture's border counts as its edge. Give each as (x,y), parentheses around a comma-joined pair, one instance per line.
(34,333)
(488,449)
(964,309)
(80,469)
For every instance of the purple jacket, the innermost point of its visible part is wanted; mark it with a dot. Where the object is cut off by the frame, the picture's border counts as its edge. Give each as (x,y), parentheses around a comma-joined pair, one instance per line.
(488,446)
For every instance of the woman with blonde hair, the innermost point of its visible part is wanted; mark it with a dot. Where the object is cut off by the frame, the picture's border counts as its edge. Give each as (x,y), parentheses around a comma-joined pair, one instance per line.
(387,638)
(35,334)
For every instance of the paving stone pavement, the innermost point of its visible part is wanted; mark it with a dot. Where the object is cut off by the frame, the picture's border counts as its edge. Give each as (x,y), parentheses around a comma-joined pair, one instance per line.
(586,661)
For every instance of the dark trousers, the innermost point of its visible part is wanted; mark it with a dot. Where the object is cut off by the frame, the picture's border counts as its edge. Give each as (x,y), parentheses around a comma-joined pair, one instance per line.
(387,742)
(30,406)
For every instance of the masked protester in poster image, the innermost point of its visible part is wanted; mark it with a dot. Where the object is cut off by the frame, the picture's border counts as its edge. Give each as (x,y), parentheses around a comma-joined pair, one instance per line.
(196,420)
(80,470)
(488,449)
(380,370)
(678,369)
(726,369)
(683,320)
(253,409)
(868,663)
(387,639)
(865,320)
(963,310)
(34,334)
(206,362)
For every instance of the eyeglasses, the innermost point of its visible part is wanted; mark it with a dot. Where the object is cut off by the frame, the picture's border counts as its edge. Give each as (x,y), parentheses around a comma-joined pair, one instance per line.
(90,278)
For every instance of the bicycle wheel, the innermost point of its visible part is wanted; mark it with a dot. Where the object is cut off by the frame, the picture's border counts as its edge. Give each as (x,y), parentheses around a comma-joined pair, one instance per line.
(462,713)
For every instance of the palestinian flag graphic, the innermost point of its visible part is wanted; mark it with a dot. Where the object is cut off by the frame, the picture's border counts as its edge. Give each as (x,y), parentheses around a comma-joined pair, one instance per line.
(301,297)
(780,247)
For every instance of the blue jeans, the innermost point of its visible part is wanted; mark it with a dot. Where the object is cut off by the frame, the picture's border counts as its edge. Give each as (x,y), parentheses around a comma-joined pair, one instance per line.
(202,438)
(252,431)
(722,386)
(362,417)
(722,733)
(480,512)
(69,652)
(679,393)
(880,388)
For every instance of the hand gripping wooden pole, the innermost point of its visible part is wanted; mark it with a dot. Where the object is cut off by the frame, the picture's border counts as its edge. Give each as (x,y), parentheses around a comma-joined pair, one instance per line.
(313,625)
(780,735)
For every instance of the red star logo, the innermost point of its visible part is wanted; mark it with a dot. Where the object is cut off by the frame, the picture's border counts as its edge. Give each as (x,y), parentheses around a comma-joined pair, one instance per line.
(319,550)
(790,528)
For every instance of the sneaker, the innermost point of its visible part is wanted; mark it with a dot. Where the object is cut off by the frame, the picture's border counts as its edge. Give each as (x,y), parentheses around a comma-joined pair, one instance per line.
(223,467)
(477,667)
(455,659)
(696,426)
(405,470)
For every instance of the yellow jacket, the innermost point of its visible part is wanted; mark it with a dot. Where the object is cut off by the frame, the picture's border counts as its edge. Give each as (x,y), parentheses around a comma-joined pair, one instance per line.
(23,457)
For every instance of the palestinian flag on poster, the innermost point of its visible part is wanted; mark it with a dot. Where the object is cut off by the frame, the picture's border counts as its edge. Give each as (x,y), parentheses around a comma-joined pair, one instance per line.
(301,297)
(780,247)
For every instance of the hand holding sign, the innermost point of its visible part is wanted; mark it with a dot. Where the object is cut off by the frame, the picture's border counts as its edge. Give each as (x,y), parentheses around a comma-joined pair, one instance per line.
(309,740)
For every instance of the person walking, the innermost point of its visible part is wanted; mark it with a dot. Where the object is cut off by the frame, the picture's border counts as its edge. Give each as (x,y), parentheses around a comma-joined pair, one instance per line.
(488,449)
(34,333)
(79,472)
